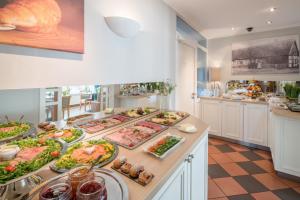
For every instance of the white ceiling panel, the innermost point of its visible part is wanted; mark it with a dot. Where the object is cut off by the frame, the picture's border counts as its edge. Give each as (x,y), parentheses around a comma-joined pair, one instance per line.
(216,18)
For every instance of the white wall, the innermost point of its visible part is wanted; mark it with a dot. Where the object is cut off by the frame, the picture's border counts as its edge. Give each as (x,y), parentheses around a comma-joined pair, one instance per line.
(219,54)
(15,103)
(108,59)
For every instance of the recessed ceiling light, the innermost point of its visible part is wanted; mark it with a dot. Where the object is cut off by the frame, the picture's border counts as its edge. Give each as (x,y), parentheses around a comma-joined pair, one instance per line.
(269,22)
(232,28)
(272,9)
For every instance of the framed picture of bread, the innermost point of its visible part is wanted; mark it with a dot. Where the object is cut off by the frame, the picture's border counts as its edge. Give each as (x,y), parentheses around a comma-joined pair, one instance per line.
(49,24)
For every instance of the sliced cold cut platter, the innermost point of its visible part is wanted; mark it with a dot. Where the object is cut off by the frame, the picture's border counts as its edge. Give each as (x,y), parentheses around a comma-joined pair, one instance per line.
(135,135)
(97,125)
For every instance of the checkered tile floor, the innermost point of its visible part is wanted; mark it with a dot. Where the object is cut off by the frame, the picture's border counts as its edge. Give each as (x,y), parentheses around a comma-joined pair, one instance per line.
(239,173)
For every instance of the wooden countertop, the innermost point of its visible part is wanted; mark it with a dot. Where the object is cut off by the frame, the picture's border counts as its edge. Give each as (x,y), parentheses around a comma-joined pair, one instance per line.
(234,100)
(286,113)
(162,169)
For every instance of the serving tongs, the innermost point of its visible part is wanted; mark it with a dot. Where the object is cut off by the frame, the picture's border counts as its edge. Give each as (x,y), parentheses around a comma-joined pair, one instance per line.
(7,119)
(95,162)
(19,121)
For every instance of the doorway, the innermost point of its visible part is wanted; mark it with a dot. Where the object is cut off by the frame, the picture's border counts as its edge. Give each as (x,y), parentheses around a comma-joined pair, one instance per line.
(186,76)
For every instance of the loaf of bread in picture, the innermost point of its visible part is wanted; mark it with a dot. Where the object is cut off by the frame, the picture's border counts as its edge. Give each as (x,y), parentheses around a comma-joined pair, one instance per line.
(38,16)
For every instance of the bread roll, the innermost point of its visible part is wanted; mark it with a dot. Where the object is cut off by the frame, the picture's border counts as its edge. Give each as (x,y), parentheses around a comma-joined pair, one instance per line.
(39,16)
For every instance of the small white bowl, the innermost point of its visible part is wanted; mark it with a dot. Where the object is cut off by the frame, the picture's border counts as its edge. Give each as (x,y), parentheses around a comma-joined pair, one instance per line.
(109,110)
(8,152)
(7,27)
(187,128)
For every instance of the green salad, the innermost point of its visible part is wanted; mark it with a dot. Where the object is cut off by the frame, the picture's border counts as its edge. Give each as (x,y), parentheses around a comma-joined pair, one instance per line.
(163,145)
(32,156)
(13,129)
(85,153)
(68,135)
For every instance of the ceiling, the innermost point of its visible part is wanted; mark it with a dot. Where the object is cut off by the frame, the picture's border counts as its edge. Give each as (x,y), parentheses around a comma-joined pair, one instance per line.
(224,18)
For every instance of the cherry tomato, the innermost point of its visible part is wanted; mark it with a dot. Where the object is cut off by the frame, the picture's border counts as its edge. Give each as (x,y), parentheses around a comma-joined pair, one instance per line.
(55,154)
(10,168)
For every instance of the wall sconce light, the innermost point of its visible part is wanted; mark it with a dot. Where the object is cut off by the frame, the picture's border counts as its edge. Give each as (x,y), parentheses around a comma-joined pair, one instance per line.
(123,27)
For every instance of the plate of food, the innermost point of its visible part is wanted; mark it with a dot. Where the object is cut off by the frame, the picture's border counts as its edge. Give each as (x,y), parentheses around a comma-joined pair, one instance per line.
(169,118)
(97,125)
(135,172)
(13,130)
(69,135)
(138,112)
(75,119)
(161,147)
(47,126)
(133,136)
(22,158)
(86,153)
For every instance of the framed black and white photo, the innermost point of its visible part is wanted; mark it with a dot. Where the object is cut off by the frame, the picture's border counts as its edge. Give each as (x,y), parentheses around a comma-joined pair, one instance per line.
(266,56)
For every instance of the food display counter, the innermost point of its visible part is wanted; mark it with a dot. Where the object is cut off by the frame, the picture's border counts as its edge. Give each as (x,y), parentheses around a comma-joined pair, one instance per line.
(284,141)
(182,174)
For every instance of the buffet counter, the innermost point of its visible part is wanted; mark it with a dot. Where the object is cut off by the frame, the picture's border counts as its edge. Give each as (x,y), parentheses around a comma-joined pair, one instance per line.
(165,170)
(256,123)
(284,141)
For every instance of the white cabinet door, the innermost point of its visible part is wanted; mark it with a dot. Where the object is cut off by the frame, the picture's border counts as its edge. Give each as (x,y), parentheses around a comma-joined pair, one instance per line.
(211,111)
(198,172)
(256,124)
(176,187)
(288,146)
(232,120)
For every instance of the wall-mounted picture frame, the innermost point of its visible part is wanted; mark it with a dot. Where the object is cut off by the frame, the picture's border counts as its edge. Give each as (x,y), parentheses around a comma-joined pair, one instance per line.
(49,24)
(278,55)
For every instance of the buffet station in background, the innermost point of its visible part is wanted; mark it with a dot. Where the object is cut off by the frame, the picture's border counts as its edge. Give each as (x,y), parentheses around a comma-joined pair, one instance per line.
(260,114)
(151,94)
(119,154)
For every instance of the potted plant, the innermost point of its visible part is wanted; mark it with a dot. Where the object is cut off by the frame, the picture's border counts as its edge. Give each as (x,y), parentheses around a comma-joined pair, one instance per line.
(66,91)
(164,91)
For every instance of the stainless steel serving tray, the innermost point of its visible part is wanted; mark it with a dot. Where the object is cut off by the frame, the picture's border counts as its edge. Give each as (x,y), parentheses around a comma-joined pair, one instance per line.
(77,125)
(294,107)
(30,133)
(124,113)
(115,185)
(75,141)
(174,123)
(55,169)
(163,128)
